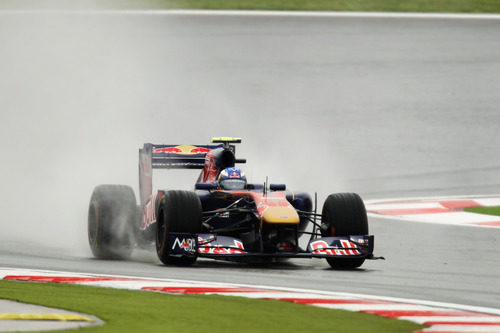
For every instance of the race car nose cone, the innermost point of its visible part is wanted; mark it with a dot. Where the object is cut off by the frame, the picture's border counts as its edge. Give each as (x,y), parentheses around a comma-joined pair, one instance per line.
(286,215)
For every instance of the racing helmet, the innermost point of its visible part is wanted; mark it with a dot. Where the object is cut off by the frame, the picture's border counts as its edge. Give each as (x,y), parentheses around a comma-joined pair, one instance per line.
(232,179)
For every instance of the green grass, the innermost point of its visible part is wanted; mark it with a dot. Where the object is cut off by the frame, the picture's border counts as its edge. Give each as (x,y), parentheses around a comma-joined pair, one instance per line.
(136,311)
(484,210)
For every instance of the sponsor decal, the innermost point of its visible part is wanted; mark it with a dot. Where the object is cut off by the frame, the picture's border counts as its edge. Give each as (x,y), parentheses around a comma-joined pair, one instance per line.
(205,241)
(225,215)
(263,202)
(149,212)
(199,150)
(219,250)
(184,244)
(285,246)
(169,150)
(210,248)
(361,241)
(322,247)
(238,244)
(234,173)
(210,171)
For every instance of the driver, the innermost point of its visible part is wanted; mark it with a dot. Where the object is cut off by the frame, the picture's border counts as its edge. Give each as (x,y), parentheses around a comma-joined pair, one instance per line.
(232,179)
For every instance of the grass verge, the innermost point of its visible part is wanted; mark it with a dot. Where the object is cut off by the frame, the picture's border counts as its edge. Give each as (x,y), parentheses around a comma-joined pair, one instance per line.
(484,210)
(135,311)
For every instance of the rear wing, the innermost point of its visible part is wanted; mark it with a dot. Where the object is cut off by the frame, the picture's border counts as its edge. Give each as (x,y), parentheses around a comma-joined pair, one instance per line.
(160,156)
(176,156)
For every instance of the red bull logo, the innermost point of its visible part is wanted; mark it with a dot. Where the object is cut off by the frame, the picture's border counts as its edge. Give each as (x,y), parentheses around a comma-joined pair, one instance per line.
(199,150)
(235,174)
(169,150)
(182,149)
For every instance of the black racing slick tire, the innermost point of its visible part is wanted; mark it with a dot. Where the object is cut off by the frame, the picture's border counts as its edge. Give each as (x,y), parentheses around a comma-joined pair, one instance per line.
(112,219)
(344,214)
(179,211)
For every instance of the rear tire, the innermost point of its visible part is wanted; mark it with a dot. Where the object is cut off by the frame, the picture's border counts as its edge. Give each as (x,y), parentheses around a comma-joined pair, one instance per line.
(179,211)
(112,219)
(344,214)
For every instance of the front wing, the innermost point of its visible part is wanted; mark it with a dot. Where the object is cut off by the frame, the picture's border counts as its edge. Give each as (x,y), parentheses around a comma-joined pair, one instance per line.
(229,248)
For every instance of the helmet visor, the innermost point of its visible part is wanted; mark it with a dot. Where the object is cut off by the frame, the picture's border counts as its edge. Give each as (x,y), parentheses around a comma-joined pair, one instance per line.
(233,184)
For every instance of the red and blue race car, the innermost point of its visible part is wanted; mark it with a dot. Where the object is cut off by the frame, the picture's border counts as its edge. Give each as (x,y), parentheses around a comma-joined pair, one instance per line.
(224,217)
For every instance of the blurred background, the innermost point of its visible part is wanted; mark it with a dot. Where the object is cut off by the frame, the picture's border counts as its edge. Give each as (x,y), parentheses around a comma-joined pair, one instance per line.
(386,108)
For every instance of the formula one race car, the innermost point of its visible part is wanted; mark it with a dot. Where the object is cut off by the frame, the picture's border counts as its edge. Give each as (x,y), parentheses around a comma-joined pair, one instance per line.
(224,217)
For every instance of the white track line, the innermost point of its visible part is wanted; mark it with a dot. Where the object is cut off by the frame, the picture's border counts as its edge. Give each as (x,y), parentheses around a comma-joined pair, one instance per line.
(255,13)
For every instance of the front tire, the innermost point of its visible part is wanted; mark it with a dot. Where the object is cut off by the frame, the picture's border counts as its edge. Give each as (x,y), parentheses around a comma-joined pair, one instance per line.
(112,218)
(179,211)
(344,214)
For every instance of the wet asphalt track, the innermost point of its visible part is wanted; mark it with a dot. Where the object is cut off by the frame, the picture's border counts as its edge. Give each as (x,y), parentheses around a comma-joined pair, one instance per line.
(384,107)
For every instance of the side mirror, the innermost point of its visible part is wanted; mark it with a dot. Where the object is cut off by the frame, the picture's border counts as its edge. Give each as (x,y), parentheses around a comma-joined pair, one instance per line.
(277,187)
(205,186)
